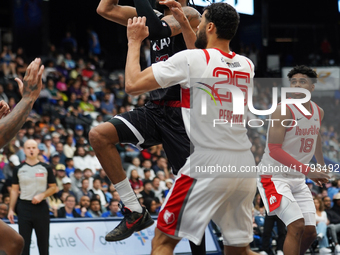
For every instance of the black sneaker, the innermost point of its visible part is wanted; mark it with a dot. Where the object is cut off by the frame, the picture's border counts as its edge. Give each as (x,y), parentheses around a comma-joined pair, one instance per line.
(133,221)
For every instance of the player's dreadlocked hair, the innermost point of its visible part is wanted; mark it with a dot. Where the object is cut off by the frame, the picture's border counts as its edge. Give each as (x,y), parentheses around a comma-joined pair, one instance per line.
(304,70)
(225,18)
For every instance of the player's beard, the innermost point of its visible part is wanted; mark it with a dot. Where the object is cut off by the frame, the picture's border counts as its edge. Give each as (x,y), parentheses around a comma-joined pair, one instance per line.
(201,40)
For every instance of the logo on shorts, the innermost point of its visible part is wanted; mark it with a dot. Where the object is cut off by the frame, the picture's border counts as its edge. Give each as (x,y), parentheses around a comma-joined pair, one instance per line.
(169,217)
(272,199)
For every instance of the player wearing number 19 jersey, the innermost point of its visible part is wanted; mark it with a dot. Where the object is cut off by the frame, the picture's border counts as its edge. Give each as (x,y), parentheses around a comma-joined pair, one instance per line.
(284,165)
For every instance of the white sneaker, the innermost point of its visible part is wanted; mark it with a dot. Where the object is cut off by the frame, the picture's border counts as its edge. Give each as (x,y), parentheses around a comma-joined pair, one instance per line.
(319,236)
(337,248)
(324,250)
(263,253)
(279,252)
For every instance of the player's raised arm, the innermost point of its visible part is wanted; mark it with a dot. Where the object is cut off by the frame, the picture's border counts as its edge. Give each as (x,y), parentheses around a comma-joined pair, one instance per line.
(30,90)
(137,82)
(110,10)
(188,19)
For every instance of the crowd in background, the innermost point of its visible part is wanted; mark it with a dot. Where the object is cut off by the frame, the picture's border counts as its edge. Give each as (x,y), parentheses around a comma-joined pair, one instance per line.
(78,94)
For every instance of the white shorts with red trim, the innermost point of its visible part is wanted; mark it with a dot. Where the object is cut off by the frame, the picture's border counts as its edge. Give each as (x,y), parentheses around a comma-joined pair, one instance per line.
(273,188)
(193,202)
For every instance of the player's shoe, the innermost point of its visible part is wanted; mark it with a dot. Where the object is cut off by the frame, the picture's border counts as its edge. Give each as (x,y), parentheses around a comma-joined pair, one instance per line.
(133,221)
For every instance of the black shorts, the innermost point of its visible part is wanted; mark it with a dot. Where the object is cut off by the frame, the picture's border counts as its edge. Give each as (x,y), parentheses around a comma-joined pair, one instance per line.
(152,125)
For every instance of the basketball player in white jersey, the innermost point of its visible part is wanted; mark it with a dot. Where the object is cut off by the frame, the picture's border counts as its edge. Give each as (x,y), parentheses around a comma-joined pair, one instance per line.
(196,198)
(284,192)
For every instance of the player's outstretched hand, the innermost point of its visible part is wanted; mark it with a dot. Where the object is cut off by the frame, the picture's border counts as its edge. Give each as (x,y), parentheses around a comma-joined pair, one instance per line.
(31,85)
(176,9)
(137,31)
(319,176)
(4,109)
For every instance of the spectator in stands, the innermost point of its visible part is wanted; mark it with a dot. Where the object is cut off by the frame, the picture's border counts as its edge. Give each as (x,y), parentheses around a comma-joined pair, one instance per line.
(67,184)
(147,165)
(259,206)
(69,44)
(79,158)
(151,205)
(95,208)
(162,164)
(101,175)
(334,221)
(321,226)
(114,210)
(69,147)
(76,179)
(161,176)
(69,166)
(92,162)
(96,190)
(107,107)
(49,147)
(68,211)
(60,169)
(168,182)
(83,208)
(84,190)
(147,192)
(157,189)
(136,183)
(55,159)
(7,62)
(3,95)
(79,132)
(59,148)
(3,211)
(115,195)
(13,161)
(333,154)
(333,189)
(93,41)
(88,175)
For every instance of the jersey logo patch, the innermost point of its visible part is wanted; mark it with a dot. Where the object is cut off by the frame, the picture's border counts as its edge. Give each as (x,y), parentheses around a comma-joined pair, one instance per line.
(39,175)
(272,200)
(299,118)
(169,217)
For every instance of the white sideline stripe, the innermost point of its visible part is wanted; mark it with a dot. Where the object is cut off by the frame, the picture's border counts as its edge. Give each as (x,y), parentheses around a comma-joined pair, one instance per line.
(134,131)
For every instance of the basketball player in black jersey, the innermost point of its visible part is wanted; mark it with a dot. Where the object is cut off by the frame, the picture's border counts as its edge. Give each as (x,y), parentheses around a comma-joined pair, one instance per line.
(158,122)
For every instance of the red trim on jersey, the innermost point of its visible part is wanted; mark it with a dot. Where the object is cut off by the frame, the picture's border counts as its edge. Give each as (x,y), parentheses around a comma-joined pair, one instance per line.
(277,153)
(310,116)
(233,54)
(185,98)
(293,117)
(251,69)
(168,218)
(273,198)
(207,56)
(319,113)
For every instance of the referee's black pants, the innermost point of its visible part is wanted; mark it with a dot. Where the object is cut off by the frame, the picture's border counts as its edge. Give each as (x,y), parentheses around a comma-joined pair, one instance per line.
(35,217)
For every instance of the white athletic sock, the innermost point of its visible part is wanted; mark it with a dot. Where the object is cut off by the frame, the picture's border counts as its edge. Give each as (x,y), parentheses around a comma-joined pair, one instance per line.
(127,196)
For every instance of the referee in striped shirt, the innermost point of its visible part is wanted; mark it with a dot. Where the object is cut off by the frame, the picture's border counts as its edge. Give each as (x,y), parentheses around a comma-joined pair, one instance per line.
(36,181)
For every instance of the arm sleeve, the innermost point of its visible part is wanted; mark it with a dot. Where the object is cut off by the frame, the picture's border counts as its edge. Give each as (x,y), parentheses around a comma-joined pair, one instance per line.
(15,179)
(158,29)
(286,159)
(173,71)
(50,177)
